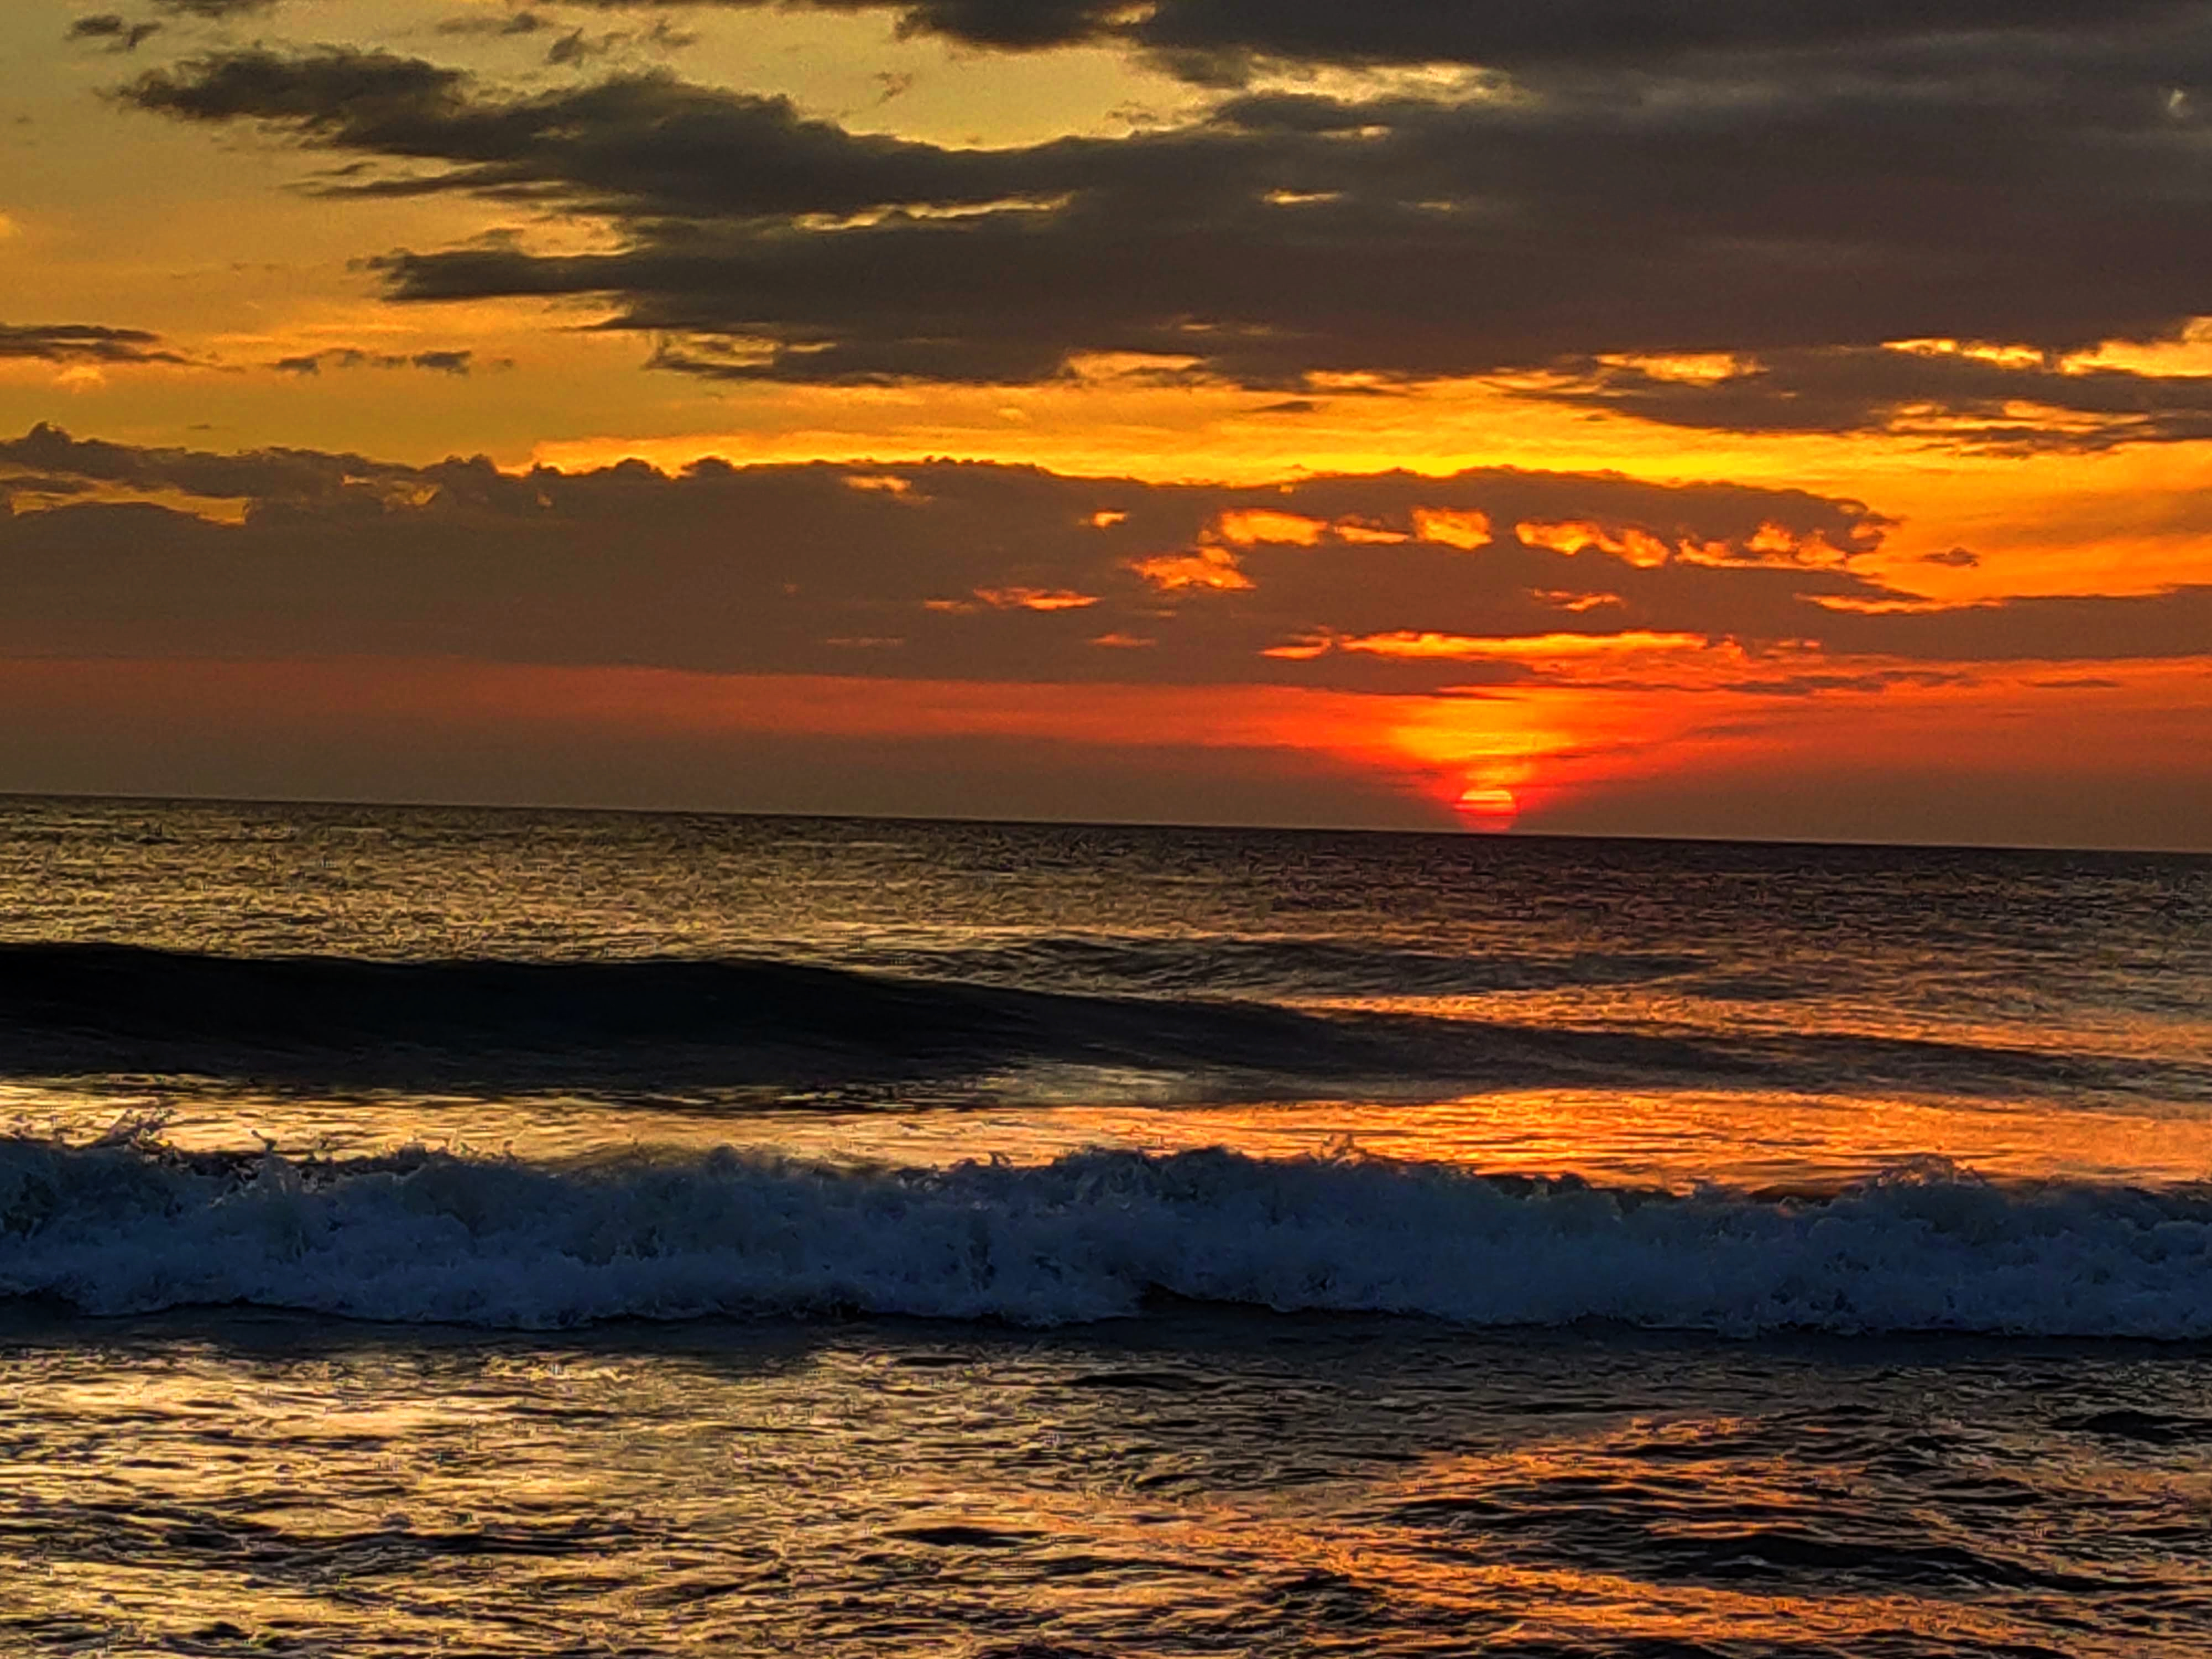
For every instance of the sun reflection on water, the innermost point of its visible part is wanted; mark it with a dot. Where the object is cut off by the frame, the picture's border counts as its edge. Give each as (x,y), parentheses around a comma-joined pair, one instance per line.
(1671,1139)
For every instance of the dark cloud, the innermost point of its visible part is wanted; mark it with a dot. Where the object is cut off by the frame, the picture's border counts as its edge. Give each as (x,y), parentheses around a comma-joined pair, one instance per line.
(578,48)
(28,492)
(1212,38)
(514,23)
(2070,628)
(84,342)
(1013,25)
(349,100)
(1385,582)
(215,11)
(1949,397)
(1813,685)
(294,476)
(1526,34)
(575,47)
(644,144)
(442,362)
(119,33)
(2015,179)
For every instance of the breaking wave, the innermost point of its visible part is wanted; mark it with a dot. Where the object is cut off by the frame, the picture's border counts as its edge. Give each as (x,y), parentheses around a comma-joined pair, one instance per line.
(129,1225)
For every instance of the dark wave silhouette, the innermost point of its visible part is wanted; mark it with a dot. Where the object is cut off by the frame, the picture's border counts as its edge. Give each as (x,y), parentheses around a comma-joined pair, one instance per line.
(669,1025)
(102,1008)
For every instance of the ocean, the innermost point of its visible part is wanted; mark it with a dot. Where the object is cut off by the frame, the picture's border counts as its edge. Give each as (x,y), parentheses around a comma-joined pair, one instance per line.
(503,1232)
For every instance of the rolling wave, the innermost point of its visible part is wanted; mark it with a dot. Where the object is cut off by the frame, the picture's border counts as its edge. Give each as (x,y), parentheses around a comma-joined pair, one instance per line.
(645,1025)
(130,1226)
(668,1022)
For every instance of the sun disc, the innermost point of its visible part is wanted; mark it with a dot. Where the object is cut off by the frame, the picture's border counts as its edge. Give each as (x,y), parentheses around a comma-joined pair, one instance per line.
(1487,807)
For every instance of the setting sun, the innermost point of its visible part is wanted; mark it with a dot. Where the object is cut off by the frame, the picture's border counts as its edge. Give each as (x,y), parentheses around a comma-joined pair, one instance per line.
(1487,807)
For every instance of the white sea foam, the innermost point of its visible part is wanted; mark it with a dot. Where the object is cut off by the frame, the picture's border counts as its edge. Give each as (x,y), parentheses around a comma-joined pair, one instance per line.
(131,1227)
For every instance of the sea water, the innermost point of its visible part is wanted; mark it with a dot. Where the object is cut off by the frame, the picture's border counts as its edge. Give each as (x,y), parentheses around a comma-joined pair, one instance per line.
(499,1232)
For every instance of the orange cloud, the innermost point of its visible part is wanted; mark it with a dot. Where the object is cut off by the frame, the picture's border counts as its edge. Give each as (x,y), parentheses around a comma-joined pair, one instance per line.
(1203,569)
(1469,647)
(1360,533)
(1639,547)
(1566,599)
(1467,530)
(1035,598)
(879,483)
(1249,526)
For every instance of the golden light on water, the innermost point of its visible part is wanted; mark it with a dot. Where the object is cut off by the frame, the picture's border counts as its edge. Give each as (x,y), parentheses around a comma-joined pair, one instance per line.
(1674,1138)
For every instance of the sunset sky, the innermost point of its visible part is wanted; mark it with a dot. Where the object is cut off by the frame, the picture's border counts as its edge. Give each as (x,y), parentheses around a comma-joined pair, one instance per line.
(1719,417)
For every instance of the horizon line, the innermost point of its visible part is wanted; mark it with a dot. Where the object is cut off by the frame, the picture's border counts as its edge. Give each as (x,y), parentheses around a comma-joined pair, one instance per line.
(1808,843)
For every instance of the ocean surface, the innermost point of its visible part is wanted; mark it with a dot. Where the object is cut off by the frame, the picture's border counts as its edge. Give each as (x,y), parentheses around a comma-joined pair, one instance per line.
(524,1233)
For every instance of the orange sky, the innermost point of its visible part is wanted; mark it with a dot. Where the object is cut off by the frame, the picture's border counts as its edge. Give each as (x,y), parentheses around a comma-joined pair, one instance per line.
(1246,313)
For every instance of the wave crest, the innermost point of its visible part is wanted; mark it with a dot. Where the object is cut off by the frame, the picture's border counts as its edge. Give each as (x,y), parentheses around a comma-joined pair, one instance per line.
(130,1226)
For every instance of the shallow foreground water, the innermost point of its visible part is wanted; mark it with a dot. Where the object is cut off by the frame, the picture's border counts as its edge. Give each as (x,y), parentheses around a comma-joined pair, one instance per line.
(1194,1482)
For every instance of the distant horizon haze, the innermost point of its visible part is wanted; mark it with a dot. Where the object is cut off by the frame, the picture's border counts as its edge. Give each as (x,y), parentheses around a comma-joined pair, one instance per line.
(1442,832)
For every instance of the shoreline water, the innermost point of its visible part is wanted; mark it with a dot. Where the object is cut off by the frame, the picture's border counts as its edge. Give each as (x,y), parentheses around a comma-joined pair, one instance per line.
(1204,1480)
